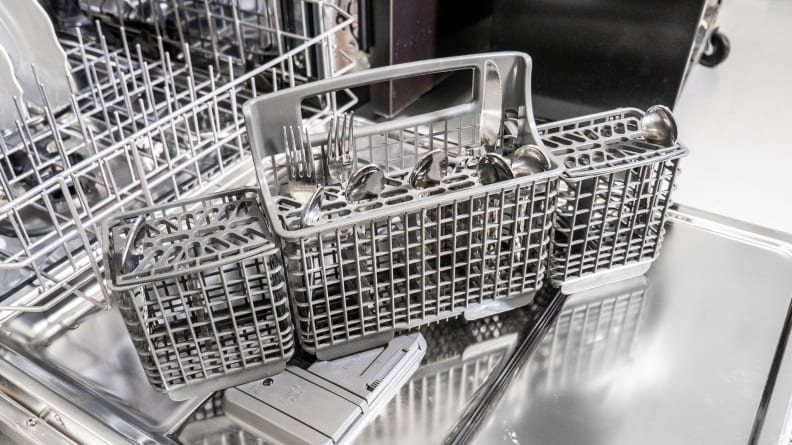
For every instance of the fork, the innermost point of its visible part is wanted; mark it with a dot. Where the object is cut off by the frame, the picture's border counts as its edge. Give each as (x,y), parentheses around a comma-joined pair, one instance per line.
(299,157)
(340,159)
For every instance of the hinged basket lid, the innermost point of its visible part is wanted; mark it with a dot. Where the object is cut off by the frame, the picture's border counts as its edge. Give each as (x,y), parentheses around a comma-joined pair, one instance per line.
(165,241)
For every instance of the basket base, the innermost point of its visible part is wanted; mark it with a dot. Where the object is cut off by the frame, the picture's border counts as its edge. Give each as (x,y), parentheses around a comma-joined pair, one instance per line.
(602,278)
(493,307)
(215,384)
(353,346)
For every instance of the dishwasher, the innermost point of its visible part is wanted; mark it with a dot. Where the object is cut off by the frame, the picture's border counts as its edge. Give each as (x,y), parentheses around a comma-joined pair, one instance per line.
(208,237)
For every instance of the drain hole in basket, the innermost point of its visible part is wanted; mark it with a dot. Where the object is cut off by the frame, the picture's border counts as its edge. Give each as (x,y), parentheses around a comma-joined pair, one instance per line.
(340,213)
(606,131)
(399,200)
(369,206)
(570,162)
(334,205)
(432,192)
(591,134)
(632,125)
(394,192)
(455,178)
(586,147)
(461,185)
(563,152)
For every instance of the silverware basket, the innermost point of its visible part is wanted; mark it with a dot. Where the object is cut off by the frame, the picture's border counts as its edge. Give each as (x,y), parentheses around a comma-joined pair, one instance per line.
(202,291)
(408,257)
(613,197)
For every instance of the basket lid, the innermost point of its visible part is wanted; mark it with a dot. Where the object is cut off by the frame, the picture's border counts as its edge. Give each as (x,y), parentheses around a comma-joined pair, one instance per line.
(164,241)
(604,142)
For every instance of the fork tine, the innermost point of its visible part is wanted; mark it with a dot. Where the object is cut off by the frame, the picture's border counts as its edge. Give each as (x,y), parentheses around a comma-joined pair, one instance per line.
(289,163)
(306,146)
(296,153)
(351,140)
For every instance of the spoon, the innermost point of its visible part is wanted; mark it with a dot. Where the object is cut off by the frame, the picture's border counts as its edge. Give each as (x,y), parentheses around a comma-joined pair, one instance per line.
(491,107)
(493,168)
(430,170)
(658,126)
(365,183)
(529,160)
(313,208)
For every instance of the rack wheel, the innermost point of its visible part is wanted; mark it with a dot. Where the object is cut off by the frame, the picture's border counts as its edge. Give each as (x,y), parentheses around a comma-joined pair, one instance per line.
(717,49)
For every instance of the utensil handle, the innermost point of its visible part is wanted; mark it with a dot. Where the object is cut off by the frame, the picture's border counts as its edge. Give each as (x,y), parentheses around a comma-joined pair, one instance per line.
(275,110)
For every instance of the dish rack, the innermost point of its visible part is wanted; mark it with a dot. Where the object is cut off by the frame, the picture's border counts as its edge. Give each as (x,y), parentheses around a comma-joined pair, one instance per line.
(144,125)
(409,257)
(202,291)
(613,198)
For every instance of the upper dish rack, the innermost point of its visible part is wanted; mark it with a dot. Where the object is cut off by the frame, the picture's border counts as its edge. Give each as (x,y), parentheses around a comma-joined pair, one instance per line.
(143,126)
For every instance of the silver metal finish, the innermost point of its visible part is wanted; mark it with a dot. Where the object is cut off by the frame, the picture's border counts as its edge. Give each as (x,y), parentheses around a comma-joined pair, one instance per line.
(299,156)
(491,107)
(313,208)
(430,170)
(613,197)
(658,126)
(202,291)
(529,160)
(408,257)
(493,168)
(330,401)
(366,183)
(636,364)
(461,358)
(341,159)
(142,127)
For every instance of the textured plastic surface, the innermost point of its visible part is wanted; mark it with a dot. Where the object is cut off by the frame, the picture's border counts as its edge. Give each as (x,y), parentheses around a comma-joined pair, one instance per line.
(613,198)
(408,257)
(205,297)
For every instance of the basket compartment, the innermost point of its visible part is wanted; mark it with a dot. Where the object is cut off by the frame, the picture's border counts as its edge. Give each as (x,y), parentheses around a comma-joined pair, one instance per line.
(204,299)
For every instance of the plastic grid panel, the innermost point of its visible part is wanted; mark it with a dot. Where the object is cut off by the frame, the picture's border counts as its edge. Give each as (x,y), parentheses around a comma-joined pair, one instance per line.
(385,275)
(203,291)
(611,220)
(613,197)
(210,324)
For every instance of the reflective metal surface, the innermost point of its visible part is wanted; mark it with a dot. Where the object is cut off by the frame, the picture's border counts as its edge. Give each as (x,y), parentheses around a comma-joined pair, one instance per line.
(688,358)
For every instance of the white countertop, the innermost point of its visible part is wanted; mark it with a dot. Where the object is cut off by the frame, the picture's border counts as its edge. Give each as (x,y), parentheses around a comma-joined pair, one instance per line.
(736,120)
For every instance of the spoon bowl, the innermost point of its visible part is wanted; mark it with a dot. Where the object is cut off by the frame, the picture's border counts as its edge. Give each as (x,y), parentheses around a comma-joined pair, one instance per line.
(529,160)
(493,168)
(658,126)
(313,208)
(429,171)
(365,183)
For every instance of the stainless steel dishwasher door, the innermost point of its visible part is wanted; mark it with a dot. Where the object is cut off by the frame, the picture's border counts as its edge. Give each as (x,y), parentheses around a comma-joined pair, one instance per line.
(698,364)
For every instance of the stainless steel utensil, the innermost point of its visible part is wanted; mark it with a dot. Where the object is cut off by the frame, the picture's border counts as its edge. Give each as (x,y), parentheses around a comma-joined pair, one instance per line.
(299,156)
(529,160)
(493,168)
(659,126)
(491,107)
(300,166)
(367,182)
(313,208)
(430,170)
(341,156)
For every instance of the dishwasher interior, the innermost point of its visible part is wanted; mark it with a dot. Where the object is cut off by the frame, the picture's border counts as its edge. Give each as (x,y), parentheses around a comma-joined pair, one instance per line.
(150,112)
